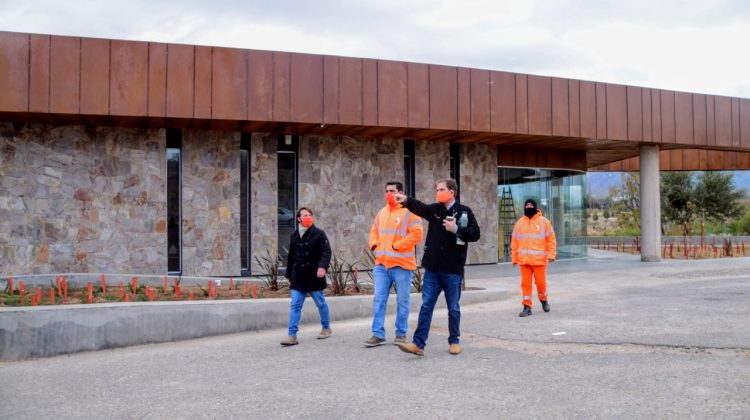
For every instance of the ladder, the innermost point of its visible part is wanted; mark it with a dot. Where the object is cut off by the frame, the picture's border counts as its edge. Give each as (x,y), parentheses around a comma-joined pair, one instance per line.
(507,219)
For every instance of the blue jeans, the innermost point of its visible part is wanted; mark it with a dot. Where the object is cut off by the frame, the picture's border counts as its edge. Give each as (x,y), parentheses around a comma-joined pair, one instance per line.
(295,312)
(432,285)
(384,279)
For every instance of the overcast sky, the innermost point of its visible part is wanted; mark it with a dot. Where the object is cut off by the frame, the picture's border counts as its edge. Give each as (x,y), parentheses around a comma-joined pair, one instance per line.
(696,46)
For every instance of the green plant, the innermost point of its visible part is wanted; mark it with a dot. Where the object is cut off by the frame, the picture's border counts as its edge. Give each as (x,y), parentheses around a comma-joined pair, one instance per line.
(369,264)
(270,265)
(337,277)
(352,276)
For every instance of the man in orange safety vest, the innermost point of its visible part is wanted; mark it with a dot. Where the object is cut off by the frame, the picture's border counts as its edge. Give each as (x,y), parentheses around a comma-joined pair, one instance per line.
(394,236)
(533,245)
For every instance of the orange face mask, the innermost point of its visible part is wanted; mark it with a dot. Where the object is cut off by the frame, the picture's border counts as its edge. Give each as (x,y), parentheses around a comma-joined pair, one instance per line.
(306,221)
(390,198)
(443,197)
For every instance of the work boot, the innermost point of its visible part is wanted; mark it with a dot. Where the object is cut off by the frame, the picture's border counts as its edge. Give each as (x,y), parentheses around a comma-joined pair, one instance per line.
(455,349)
(289,341)
(526,311)
(545,305)
(400,339)
(411,348)
(374,341)
(324,333)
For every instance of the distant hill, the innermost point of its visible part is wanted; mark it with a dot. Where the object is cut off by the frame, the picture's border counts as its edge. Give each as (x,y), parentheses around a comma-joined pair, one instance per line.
(600,182)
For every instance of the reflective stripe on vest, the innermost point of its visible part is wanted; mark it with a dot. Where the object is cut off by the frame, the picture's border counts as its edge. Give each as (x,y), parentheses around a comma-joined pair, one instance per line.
(529,235)
(532,252)
(394,254)
(404,226)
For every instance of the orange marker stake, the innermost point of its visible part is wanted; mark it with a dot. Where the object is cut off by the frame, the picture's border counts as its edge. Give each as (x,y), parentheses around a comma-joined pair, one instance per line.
(21,287)
(231,284)
(190,296)
(120,291)
(103,282)
(89,292)
(255,291)
(134,284)
(33,300)
(39,294)
(22,300)
(51,296)
(127,298)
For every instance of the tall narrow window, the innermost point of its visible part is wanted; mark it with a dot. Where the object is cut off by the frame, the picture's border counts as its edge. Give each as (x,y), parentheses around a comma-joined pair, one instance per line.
(245,203)
(174,211)
(409,167)
(455,167)
(287,172)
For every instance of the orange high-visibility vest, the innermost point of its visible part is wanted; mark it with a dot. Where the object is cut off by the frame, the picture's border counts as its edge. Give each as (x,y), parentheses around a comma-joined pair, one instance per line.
(395,233)
(533,241)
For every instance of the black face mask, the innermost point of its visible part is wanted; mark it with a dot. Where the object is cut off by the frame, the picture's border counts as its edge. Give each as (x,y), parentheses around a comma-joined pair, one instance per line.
(529,212)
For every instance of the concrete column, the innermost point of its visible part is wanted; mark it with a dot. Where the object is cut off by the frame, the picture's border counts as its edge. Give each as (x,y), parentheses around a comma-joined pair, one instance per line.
(650,204)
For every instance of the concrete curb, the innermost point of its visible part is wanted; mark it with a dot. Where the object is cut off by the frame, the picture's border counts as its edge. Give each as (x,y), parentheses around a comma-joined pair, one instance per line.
(32,332)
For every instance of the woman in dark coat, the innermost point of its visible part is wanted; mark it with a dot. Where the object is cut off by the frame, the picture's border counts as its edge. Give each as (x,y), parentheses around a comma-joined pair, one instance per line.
(306,267)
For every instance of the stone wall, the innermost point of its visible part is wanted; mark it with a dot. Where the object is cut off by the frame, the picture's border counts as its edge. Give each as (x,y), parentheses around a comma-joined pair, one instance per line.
(432,162)
(93,199)
(263,198)
(82,199)
(479,191)
(343,180)
(210,203)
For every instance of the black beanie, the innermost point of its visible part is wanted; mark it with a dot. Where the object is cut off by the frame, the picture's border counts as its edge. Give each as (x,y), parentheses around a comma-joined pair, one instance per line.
(532,201)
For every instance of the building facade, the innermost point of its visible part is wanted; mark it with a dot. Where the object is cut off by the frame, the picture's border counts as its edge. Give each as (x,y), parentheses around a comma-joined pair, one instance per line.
(151,158)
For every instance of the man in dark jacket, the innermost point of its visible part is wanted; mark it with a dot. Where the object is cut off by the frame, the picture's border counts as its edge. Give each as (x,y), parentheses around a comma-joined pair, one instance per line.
(450,227)
(306,265)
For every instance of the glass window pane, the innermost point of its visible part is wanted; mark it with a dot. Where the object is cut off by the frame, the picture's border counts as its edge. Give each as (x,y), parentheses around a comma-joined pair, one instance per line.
(244,208)
(559,194)
(173,211)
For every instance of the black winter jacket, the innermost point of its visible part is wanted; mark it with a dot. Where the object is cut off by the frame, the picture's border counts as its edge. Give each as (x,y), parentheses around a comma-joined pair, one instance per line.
(306,255)
(441,253)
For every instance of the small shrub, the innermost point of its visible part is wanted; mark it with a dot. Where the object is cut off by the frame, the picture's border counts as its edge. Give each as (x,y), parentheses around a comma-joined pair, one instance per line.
(270,265)
(337,277)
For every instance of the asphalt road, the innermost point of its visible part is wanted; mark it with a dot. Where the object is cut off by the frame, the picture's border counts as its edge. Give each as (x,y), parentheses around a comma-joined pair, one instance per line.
(623,340)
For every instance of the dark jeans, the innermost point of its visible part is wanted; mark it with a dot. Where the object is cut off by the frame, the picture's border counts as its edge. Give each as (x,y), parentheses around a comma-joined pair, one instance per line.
(432,285)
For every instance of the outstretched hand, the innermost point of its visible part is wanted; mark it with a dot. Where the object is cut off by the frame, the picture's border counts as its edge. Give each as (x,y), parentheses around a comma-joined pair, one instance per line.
(400,198)
(321,273)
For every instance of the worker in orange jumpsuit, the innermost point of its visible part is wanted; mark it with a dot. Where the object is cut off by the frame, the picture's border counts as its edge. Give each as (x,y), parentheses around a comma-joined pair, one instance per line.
(533,245)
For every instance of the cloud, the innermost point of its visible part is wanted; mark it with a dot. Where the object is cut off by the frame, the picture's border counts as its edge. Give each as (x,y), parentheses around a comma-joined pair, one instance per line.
(667,44)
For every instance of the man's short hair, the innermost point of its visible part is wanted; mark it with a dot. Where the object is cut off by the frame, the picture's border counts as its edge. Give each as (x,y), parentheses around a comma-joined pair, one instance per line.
(299,210)
(449,183)
(399,186)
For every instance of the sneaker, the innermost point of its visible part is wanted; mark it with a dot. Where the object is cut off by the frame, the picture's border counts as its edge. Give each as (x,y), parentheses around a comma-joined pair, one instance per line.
(545,305)
(374,341)
(289,341)
(411,348)
(324,333)
(455,349)
(526,311)
(400,339)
